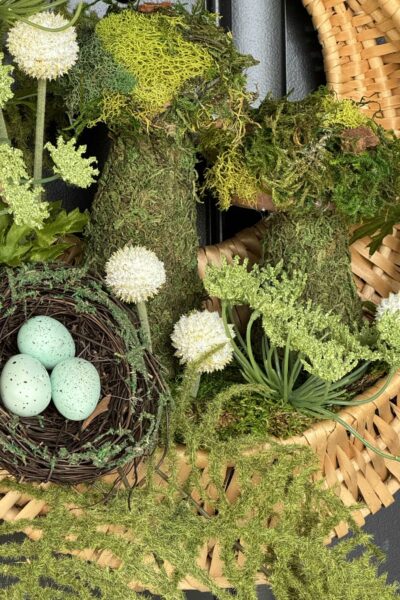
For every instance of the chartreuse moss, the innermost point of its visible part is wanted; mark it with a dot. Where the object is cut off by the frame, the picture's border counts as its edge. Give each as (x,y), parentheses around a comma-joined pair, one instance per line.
(155,52)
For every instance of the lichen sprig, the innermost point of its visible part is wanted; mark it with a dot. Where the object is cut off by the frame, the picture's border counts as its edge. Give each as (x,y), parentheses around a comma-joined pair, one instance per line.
(6,94)
(70,165)
(23,201)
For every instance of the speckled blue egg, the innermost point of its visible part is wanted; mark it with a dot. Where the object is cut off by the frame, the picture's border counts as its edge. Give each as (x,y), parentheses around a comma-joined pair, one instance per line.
(75,388)
(46,339)
(25,387)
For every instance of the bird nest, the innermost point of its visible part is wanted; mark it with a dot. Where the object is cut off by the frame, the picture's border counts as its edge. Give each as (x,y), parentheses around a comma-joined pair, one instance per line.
(123,428)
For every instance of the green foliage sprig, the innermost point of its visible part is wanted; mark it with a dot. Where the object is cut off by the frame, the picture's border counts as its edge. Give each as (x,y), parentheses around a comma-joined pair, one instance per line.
(27,234)
(320,356)
(21,10)
(24,243)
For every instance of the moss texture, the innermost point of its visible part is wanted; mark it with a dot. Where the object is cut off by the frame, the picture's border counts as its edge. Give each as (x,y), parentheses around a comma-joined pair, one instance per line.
(158,543)
(317,245)
(146,196)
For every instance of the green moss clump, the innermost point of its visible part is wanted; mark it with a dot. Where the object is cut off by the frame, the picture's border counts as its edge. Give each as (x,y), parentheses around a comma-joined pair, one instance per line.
(243,410)
(147,197)
(318,246)
(319,153)
(155,52)
(94,81)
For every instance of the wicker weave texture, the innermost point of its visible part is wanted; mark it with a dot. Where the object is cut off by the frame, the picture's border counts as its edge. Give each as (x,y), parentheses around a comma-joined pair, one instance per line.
(377,276)
(360,41)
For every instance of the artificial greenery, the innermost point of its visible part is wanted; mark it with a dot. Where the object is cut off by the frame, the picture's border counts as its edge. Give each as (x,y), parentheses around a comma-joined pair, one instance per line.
(188,80)
(157,54)
(244,409)
(25,218)
(316,154)
(146,197)
(26,244)
(170,66)
(93,81)
(326,166)
(158,539)
(308,357)
(20,10)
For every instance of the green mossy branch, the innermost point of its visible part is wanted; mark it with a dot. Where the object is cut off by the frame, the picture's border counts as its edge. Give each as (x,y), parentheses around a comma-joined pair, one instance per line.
(147,197)
(318,246)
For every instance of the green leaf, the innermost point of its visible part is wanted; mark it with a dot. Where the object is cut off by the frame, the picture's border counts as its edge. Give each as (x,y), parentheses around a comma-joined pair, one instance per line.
(63,223)
(48,254)
(17,234)
(13,255)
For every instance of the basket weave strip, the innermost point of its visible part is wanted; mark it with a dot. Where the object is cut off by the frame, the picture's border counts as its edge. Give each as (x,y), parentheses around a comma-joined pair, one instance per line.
(378,275)
(360,42)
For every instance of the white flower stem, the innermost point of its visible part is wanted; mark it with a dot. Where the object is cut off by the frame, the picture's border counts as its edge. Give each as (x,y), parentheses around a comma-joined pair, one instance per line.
(3,129)
(39,139)
(195,387)
(144,321)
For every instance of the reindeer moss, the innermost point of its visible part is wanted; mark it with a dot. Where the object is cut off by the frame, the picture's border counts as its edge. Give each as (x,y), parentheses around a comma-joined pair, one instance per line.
(318,246)
(147,197)
(153,49)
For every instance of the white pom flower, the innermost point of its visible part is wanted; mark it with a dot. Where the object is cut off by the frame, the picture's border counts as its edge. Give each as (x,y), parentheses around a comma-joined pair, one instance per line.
(135,274)
(40,53)
(390,304)
(196,335)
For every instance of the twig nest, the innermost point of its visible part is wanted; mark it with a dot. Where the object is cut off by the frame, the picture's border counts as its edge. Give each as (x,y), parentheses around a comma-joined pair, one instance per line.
(123,427)
(42,53)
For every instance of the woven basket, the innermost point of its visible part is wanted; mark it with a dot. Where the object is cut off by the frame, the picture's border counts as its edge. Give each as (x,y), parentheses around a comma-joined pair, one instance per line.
(355,473)
(360,42)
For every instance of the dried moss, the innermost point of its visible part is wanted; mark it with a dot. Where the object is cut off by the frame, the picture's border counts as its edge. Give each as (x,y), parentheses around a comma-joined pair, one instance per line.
(299,151)
(317,245)
(147,197)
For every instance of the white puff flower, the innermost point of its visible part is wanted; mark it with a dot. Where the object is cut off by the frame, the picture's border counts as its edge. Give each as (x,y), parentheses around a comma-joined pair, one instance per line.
(196,335)
(40,53)
(390,304)
(135,274)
